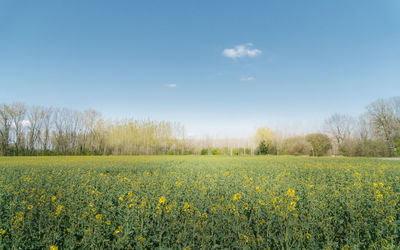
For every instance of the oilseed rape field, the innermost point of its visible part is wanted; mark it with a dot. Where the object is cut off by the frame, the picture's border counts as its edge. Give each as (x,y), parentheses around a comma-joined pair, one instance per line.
(199,202)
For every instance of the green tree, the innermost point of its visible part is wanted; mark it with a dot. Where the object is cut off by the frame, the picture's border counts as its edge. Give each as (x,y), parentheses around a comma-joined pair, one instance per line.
(264,138)
(320,144)
(263,148)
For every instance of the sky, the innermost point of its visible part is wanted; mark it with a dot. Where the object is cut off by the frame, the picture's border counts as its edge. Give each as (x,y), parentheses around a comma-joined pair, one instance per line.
(221,68)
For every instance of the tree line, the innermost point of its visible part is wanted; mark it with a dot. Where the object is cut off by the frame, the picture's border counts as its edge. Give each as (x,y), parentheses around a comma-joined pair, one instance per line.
(38,130)
(375,133)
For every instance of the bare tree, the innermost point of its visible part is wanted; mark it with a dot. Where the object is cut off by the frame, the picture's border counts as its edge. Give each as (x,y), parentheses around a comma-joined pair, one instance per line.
(47,127)
(36,116)
(5,127)
(339,128)
(17,115)
(384,122)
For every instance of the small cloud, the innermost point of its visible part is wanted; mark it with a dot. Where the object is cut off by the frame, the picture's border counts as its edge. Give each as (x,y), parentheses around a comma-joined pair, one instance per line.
(25,123)
(171,85)
(245,79)
(241,51)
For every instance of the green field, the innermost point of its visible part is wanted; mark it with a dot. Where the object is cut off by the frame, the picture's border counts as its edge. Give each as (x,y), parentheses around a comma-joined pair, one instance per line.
(199,202)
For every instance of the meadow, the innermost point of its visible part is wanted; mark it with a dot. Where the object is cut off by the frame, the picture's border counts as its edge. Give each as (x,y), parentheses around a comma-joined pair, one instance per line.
(199,202)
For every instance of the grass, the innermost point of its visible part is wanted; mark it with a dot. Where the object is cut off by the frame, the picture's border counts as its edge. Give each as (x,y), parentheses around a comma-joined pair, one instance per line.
(196,202)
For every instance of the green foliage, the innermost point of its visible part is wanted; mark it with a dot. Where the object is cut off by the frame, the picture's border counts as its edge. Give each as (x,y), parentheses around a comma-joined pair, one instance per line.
(204,151)
(266,147)
(216,152)
(262,148)
(397,147)
(320,143)
(199,202)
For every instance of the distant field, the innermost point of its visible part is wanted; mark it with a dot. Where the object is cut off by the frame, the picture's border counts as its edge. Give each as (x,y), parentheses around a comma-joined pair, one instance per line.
(199,202)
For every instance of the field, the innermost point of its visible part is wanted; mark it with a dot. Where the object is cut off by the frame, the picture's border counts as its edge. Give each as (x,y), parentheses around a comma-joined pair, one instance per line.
(199,202)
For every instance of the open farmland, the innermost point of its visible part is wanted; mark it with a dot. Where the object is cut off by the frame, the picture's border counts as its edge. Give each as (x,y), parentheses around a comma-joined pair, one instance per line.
(198,202)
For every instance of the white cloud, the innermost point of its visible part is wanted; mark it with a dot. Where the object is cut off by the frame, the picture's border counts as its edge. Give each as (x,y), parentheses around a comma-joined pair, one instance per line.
(25,123)
(245,79)
(171,85)
(241,51)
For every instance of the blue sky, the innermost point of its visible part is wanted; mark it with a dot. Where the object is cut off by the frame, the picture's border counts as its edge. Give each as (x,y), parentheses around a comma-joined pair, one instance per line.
(287,64)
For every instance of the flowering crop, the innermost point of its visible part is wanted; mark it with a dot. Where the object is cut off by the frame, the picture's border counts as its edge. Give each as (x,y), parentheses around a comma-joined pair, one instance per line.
(124,202)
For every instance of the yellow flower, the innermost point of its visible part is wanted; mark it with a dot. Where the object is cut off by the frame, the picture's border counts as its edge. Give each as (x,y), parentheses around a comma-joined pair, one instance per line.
(53,198)
(290,193)
(118,230)
(98,216)
(30,207)
(258,189)
(204,216)
(141,239)
(246,238)
(162,200)
(186,207)
(59,210)
(2,232)
(130,205)
(142,204)
(292,206)
(237,197)
(18,217)
(121,198)
(108,222)
(308,235)
(378,194)
(53,247)
(168,208)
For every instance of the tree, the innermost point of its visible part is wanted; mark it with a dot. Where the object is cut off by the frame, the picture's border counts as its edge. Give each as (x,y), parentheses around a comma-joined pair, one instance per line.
(264,138)
(296,146)
(36,116)
(320,143)
(47,127)
(5,128)
(383,116)
(17,114)
(263,148)
(339,127)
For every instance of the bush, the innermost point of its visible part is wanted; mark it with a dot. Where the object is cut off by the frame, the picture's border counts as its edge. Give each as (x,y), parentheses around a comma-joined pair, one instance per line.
(204,151)
(320,144)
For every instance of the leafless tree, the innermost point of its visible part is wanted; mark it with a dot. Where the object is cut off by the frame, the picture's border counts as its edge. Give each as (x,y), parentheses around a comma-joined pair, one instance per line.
(18,114)
(384,121)
(36,116)
(5,127)
(339,128)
